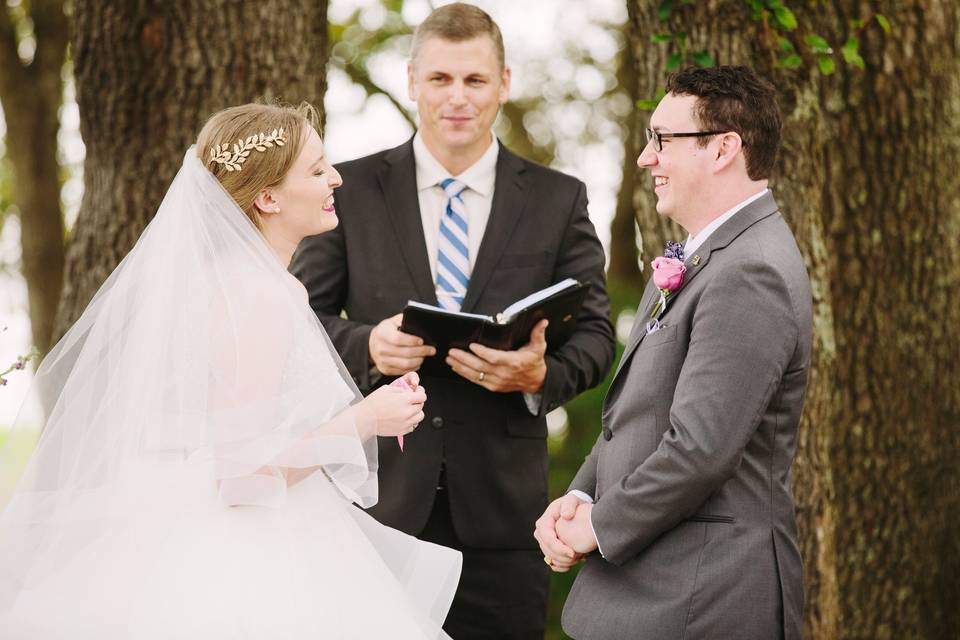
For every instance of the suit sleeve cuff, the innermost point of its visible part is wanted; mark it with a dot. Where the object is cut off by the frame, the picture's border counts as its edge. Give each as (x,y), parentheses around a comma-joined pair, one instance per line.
(594,532)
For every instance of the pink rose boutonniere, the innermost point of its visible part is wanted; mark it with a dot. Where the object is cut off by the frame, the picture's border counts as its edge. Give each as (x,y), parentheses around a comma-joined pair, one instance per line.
(668,272)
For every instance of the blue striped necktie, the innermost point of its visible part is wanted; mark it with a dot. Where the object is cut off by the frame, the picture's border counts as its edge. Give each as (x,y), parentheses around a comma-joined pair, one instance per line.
(453,253)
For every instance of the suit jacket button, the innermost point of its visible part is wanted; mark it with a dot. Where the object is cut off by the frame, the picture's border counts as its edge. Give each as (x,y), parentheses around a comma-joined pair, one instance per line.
(607,434)
(437,422)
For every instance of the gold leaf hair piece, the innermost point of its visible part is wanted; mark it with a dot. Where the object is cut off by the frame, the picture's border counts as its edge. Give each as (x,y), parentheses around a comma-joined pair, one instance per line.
(233,160)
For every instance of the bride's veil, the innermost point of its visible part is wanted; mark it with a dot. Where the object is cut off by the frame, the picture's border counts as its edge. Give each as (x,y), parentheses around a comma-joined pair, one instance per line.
(198,360)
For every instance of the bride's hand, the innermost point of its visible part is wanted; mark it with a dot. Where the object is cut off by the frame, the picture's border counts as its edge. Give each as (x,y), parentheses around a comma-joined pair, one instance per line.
(397,411)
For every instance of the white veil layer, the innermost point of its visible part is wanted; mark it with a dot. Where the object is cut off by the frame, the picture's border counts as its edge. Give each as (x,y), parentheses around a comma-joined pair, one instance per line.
(198,358)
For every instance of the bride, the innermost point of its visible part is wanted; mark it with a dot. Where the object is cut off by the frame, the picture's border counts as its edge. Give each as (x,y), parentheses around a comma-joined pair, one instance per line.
(203,441)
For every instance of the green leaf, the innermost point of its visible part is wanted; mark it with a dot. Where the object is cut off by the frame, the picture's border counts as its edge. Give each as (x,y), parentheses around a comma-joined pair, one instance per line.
(827,65)
(785,45)
(786,18)
(791,62)
(883,22)
(851,53)
(674,61)
(704,59)
(664,10)
(661,37)
(855,24)
(651,104)
(818,44)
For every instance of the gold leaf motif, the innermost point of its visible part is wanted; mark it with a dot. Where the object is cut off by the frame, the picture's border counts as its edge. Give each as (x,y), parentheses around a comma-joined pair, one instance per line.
(241,149)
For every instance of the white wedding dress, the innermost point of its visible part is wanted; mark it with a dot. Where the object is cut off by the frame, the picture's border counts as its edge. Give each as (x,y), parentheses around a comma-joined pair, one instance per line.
(164,500)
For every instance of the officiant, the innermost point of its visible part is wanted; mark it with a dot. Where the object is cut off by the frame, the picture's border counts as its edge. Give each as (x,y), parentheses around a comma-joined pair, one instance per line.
(453,218)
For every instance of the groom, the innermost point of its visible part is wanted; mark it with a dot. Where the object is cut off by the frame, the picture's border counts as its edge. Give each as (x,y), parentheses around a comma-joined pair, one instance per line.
(683,508)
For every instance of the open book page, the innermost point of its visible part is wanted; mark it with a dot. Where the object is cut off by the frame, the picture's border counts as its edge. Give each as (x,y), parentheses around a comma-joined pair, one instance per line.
(461,314)
(507,314)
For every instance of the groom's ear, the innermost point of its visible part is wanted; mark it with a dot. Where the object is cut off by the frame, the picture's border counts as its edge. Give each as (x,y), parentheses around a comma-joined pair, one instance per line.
(729,149)
(265,203)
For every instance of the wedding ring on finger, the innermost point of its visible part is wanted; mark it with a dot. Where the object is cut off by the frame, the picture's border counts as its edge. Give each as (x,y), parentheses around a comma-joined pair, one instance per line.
(548,560)
(483,374)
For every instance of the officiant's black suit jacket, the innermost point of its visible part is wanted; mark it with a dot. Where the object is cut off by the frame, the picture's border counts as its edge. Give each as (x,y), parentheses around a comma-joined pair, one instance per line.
(493,448)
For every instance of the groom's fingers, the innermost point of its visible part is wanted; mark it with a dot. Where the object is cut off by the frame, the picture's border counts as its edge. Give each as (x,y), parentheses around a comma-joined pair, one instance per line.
(563,564)
(568,506)
(546,535)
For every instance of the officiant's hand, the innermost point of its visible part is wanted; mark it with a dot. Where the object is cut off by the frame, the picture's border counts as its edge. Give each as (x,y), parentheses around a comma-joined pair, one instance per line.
(556,552)
(522,370)
(395,352)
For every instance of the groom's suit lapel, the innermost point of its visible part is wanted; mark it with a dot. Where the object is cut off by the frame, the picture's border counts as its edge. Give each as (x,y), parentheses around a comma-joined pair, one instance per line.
(696,263)
(398,180)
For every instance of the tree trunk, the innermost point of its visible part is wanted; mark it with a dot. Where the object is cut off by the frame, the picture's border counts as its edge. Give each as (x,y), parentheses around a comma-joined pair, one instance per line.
(31,94)
(867,178)
(624,270)
(148,75)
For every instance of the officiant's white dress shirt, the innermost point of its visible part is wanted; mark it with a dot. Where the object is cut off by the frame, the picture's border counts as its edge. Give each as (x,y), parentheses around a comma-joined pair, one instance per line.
(689,247)
(480,179)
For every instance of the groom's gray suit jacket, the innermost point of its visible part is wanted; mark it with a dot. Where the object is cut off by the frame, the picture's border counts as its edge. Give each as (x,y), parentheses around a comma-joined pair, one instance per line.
(691,473)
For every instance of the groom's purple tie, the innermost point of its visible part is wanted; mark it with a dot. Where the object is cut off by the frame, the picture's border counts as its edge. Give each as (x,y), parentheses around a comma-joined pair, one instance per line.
(453,253)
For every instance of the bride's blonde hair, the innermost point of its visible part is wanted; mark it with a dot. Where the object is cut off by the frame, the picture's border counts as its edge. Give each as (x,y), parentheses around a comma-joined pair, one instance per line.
(257,170)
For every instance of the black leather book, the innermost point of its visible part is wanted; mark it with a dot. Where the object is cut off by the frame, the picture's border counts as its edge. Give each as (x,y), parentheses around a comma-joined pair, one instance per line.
(507,330)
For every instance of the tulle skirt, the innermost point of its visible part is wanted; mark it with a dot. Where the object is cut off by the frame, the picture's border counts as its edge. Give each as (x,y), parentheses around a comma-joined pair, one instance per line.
(184,566)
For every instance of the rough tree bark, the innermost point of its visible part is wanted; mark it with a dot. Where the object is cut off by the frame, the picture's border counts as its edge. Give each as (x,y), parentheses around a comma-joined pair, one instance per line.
(624,271)
(867,179)
(31,94)
(148,75)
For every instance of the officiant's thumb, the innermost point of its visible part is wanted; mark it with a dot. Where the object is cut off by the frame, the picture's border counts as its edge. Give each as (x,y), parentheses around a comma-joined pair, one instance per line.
(538,337)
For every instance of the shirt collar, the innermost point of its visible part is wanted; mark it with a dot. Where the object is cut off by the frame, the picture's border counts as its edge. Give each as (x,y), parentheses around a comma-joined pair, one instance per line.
(694,243)
(479,177)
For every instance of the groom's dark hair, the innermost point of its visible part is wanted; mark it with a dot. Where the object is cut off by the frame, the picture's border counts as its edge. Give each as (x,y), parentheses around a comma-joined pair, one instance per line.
(735,99)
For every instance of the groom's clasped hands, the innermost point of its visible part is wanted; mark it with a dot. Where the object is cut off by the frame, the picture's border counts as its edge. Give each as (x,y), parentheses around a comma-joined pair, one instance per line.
(565,533)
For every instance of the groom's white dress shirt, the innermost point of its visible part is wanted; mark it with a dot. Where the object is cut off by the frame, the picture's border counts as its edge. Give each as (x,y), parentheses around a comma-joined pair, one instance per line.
(689,247)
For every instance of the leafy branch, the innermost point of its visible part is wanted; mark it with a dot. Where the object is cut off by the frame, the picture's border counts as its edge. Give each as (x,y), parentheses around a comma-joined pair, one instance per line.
(777,22)
(19,363)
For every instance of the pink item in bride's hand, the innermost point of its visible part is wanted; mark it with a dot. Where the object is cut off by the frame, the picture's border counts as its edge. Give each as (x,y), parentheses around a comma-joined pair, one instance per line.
(400,383)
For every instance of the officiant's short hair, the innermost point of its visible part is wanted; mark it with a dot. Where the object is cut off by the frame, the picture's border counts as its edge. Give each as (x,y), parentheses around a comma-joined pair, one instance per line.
(458,22)
(259,170)
(734,98)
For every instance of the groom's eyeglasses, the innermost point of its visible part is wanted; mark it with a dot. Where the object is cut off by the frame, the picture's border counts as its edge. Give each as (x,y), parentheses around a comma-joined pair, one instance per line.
(658,137)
